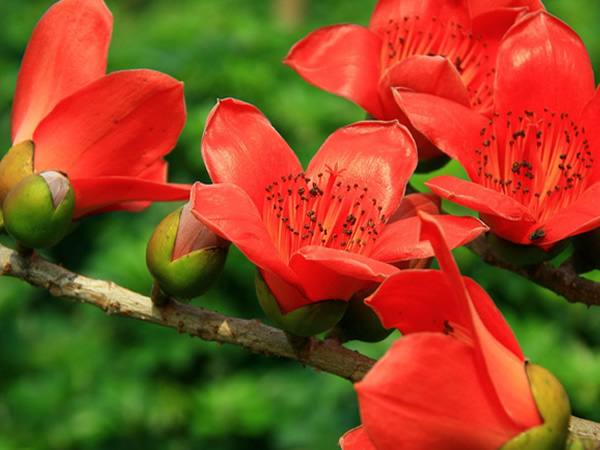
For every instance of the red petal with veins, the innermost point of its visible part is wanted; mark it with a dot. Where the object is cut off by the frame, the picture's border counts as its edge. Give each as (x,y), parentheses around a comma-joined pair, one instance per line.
(429,386)
(538,59)
(504,369)
(343,59)
(94,195)
(452,127)
(380,156)
(240,146)
(435,308)
(483,6)
(400,240)
(67,49)
(118,125)
(480,198)
(328,273)
(228,211)
(412,203)
(356,439)
(450,11)
(581,216)
(442,79)
(590,117)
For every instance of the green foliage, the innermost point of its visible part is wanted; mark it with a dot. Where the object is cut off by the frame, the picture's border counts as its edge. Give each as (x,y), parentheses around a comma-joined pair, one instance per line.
(71,377)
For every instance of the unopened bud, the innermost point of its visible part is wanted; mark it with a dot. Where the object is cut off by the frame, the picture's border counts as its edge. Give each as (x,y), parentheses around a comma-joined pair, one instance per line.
(308,320)
(14,166)
(553,405)
(38,210)
(184,256)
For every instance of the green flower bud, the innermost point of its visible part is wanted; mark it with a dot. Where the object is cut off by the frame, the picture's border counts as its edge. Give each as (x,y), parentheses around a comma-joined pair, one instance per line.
(360,321)
(553,405)
(523,254)
(308,320)
(38,210)
(184,256)
(16,165)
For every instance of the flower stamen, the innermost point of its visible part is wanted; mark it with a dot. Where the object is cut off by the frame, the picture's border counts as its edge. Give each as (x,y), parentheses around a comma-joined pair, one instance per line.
(542,163)
(467,52)
(323,211)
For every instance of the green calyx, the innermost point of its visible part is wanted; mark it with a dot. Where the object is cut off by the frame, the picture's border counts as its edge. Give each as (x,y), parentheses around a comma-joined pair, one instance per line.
(431,164)
(525,255)
(38,210)
(188,276)
(14,166)
(308,320)
(360,322)
(553,405)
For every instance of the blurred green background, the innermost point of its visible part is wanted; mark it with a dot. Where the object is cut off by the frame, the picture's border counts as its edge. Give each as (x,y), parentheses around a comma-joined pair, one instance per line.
(72,377)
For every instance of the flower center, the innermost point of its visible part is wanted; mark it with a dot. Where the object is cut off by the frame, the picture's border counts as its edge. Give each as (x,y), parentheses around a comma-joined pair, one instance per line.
(468,53)
(323,211)
(543,162)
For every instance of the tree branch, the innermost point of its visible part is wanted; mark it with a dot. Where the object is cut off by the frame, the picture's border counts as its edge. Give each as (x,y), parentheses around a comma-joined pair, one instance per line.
(563,280)
(325,355)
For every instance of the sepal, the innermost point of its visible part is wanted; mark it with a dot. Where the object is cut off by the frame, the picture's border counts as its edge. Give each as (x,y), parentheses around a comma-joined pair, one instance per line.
(525,255)
(14,166)
(553,405)
(360,322)
(308,320)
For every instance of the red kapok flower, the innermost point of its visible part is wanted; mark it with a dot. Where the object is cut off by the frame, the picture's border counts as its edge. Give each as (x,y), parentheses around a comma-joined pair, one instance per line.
(456,379)
(532,170)
(363,64)
(317,234)
(108,133)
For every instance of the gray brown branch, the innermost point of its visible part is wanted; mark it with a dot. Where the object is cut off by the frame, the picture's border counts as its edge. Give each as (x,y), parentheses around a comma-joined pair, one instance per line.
(563,280)
(324,355)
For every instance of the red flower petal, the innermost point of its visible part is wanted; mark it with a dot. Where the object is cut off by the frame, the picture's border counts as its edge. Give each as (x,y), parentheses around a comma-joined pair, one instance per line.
(241,224)
(480,198)
(328,273)
(455,11)
(240,146)
(356,439)
(452,127)
(504,368)
(67,50)
(579,217)
(433,75)
(343,59)
(118,125)
(94,195)
(533,75)
(380,156)
(428,385)
(411,203)
(483,6)
(400,240)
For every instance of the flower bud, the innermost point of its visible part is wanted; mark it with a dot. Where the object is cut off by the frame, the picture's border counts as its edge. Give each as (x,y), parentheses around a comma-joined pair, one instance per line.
(360,321)
(523,254)
(553,405)
(308,320)
(14,166)
(184,256)
(38,210)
